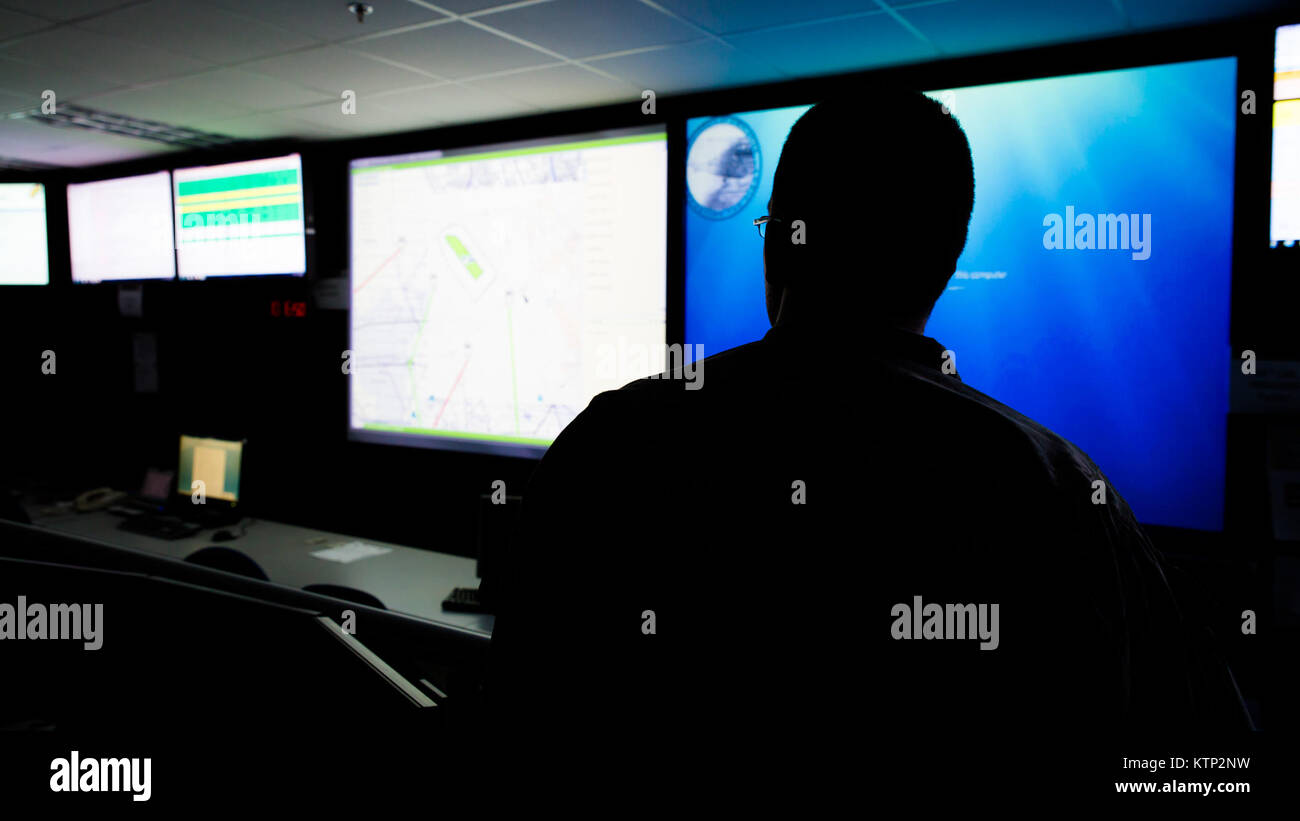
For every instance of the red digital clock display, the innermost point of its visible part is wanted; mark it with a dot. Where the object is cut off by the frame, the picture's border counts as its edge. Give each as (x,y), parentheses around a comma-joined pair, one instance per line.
(288,307)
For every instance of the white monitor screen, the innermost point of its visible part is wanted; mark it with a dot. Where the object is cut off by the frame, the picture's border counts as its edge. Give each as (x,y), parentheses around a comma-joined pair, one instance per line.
(240,219)
(1284,228)
(25,258)
(210,465)
(496,290)
(121,229)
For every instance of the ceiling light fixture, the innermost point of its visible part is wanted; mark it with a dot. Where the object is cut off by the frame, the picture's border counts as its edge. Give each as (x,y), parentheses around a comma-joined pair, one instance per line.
(75,116)
(14,164)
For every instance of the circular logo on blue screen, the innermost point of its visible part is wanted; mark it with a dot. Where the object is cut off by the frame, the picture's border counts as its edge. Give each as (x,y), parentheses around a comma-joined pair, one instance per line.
(723,167)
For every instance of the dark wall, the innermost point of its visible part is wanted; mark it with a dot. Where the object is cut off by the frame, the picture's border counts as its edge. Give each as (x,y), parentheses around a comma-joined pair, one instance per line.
(226,367)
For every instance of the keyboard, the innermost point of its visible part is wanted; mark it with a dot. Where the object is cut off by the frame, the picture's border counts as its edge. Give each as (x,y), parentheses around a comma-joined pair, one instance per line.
(465,600)
(159,527)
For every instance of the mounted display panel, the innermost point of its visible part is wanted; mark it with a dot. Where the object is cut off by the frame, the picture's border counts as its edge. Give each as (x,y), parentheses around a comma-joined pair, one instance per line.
(497,289)
(1114,331)
(26,257)
(1284,223)
(121,229)
(240,219)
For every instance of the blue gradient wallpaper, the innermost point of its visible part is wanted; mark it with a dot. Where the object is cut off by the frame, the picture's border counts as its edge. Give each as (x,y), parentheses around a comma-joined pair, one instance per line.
(1122,349)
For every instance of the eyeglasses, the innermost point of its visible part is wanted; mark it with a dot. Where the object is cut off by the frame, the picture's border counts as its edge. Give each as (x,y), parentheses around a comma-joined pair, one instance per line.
(761,224)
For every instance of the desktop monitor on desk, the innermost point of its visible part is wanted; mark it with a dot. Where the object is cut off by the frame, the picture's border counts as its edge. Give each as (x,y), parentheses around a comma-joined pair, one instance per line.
(1121,349)
(207,491)
(212,466)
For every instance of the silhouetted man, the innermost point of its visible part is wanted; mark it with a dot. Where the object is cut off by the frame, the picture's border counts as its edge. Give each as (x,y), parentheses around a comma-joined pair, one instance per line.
(834,541)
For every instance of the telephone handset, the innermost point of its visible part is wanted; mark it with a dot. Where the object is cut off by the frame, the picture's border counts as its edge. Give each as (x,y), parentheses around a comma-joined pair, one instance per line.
(98,499)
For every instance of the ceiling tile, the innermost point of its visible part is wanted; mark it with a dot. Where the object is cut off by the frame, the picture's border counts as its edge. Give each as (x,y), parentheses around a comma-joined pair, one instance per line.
(100,55)
(63,9)
(694,66)
(14,102)
(272,125)
(15,24)
(276,68)
(220,94)
(454,51)
(372,117)
(68,84)
(331,21)
(844,45)
(560,87)
(246,91)
(1159,13)
(451,103)
(979,26)
(572,29)
(727,16)
(330,116)
(181,102)
(333,69)
(470,6)
(208,33)
(260,92)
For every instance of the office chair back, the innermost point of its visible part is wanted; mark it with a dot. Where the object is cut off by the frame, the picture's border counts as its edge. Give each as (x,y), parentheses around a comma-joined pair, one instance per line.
(229,560)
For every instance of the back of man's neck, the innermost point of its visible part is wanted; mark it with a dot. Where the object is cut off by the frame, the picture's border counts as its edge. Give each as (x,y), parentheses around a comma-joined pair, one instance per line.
(794,314)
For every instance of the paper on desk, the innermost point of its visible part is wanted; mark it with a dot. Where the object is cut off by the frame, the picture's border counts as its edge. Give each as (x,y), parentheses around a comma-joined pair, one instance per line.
(351,552)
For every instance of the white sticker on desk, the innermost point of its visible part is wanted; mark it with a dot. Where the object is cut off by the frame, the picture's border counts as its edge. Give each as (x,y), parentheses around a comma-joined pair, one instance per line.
(351,552)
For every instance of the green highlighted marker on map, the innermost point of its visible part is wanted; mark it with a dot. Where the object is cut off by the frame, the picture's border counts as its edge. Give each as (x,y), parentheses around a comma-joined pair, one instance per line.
(466,258)
(461,250)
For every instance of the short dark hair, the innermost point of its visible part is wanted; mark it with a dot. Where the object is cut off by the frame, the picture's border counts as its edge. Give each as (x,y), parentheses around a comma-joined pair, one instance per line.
(885,185)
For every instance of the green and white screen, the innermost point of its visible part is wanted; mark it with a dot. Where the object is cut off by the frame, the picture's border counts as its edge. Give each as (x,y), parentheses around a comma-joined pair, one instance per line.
(24,255)
(494,288)
(240,219)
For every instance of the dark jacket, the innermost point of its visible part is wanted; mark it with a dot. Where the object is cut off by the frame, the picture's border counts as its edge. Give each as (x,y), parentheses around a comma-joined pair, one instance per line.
(774,518)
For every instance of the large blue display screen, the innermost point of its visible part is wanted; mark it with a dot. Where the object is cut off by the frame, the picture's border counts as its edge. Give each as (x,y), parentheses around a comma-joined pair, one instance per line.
(1121,347)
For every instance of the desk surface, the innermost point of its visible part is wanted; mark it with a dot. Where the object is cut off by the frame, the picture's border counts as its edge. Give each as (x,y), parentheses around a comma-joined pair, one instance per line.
(406,579)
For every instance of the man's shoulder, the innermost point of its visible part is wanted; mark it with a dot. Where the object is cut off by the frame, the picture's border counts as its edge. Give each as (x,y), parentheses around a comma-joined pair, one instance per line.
(1053,449)
(659,393)
(748,361)
(985,429)
(991,427)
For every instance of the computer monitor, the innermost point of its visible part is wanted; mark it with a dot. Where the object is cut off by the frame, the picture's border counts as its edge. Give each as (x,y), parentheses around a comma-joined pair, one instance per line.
(121,229)
(25,260)
(240,219)
(215,463)
(496,289)
(1124,351)
(1284,224)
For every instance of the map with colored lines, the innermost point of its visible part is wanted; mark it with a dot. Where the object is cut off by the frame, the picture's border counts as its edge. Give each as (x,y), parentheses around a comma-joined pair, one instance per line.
(485,284)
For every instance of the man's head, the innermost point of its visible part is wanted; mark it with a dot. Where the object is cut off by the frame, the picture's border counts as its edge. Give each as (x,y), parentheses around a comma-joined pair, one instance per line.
(883,185)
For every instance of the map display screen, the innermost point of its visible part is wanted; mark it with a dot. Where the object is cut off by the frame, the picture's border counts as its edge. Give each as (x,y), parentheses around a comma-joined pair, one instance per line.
(491,287)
